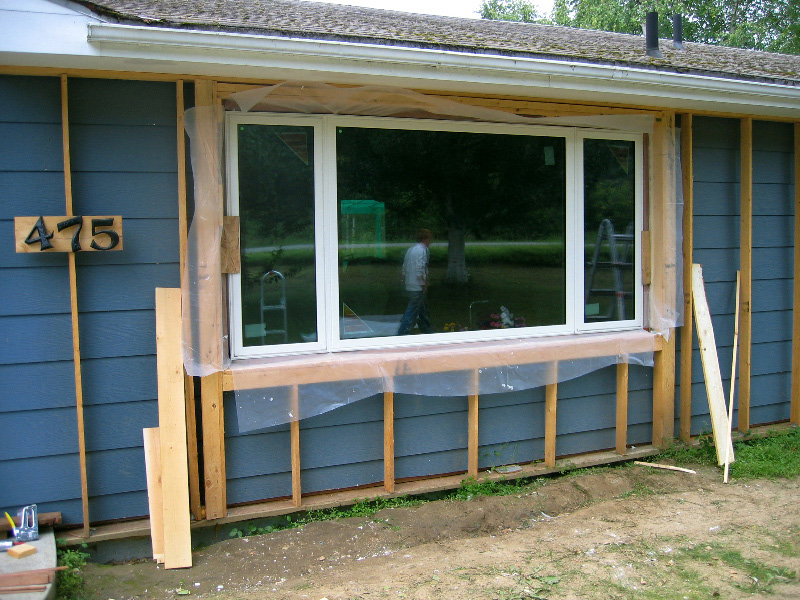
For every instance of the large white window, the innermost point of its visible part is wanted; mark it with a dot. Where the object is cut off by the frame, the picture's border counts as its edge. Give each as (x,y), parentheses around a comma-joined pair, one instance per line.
(367,232)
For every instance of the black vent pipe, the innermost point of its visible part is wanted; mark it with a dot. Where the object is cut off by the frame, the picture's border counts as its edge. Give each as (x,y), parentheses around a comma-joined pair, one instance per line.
(651,35)
(677,31)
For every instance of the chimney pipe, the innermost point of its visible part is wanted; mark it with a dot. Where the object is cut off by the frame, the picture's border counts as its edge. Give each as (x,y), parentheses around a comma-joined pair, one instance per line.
(677,31)
(651,35)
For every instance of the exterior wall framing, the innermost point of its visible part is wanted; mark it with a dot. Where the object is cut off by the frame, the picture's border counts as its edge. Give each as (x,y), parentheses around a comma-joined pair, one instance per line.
(213,445)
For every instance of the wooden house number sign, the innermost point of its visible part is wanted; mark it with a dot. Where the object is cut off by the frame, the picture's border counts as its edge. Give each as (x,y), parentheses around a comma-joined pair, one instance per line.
(67,234)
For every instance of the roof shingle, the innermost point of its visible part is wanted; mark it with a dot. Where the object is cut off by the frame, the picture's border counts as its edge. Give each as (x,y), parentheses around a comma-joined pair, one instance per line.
(315,20)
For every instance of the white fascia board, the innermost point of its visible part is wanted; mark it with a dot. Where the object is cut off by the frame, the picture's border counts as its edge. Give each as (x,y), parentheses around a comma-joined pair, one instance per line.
(259,56)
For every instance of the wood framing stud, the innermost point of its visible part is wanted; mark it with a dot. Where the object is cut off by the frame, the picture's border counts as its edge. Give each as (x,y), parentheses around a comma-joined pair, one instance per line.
(622,408)
(746,262)
(687,177)
(550,413)
(388,438)
(172,430)
(213,446)
(472,435)
(794,411)
(183,229)
(294,432)
(73,295)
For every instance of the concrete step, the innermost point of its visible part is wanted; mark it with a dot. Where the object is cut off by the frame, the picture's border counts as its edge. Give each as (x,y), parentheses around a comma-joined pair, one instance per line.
(45,558)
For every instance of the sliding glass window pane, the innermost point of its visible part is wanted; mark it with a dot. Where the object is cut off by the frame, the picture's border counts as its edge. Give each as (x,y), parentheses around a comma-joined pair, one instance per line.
(609,228)
(449,231)
(276,208)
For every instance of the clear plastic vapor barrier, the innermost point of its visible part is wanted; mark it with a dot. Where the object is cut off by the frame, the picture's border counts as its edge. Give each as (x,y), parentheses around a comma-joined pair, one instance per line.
(497,218)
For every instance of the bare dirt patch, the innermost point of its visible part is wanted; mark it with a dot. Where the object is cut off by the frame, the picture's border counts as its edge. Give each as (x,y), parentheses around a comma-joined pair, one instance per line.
(628,532)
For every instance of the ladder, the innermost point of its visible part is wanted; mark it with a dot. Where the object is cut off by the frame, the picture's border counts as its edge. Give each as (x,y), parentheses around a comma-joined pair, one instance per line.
(618,261)
(280,307)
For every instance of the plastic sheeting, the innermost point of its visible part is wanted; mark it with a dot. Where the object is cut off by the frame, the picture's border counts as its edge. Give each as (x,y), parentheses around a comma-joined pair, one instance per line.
(205,340)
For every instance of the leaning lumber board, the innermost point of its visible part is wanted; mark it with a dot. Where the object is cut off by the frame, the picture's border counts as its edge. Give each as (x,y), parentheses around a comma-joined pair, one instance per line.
(172,430)
(155,493)
(708,354)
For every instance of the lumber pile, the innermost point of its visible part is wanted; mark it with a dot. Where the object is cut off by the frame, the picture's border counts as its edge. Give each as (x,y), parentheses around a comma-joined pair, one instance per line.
(35,580)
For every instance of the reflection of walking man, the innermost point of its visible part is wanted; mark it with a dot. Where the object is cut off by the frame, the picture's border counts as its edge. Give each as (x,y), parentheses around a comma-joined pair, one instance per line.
(415,278)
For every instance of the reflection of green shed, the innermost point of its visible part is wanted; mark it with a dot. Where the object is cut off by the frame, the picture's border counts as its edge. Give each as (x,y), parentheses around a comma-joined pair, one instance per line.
(355,231)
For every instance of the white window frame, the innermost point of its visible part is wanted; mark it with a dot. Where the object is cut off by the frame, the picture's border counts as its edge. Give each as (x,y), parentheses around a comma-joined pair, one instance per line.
(326,232)
(580,271)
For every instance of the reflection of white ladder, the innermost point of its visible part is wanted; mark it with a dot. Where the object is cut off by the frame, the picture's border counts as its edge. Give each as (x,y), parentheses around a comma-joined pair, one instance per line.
(279,307)
(618,260)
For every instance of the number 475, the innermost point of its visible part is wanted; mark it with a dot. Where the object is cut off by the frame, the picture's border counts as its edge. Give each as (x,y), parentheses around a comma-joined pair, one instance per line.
(101,226)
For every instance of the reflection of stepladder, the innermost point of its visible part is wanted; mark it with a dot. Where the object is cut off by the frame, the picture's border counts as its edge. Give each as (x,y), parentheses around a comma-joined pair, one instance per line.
(619,260)
(280,307)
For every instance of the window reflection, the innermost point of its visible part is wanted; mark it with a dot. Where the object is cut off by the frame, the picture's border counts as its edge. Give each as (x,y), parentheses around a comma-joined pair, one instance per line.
(495,207)
(609,227)
(276,208)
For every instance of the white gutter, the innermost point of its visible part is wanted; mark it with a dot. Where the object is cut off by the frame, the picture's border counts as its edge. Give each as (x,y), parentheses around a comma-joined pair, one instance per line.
(262,54)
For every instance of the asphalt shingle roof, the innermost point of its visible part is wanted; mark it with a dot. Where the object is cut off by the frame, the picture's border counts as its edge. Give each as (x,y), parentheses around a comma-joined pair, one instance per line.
(314,20)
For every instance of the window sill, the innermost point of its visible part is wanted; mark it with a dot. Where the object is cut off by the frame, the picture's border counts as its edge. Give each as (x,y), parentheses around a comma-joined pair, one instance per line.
(386,363)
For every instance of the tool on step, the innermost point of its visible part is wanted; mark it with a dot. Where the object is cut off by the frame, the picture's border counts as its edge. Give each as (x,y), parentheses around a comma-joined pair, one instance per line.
(28,530)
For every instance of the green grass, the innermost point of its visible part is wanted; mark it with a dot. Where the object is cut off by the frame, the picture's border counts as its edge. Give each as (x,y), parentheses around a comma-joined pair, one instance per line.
(760,576)
(774,456)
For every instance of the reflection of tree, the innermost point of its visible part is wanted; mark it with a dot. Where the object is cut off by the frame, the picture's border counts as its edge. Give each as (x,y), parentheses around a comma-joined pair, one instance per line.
(276,189)
(608,179)
(464,184)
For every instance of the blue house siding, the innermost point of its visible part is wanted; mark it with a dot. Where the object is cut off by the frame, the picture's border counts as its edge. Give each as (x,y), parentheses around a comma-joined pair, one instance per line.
(716,248)
(344,447)
(123,153)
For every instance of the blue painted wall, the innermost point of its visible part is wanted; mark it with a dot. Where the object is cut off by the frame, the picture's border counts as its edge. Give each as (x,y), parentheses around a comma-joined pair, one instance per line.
(344,448)
(716,247)
(123,152)
(123,156)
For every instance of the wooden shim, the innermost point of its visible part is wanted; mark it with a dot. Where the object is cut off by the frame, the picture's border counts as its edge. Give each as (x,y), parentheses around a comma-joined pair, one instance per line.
(73,294)
(622,409)
(294,432)
(388,438)
(213,446)
(746,265)
(155,494)
(687,177)
(647,265)
(473,416)
(665,467)
(794,410)
(711,373)
(231,258)
(172,430)
(550,413)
